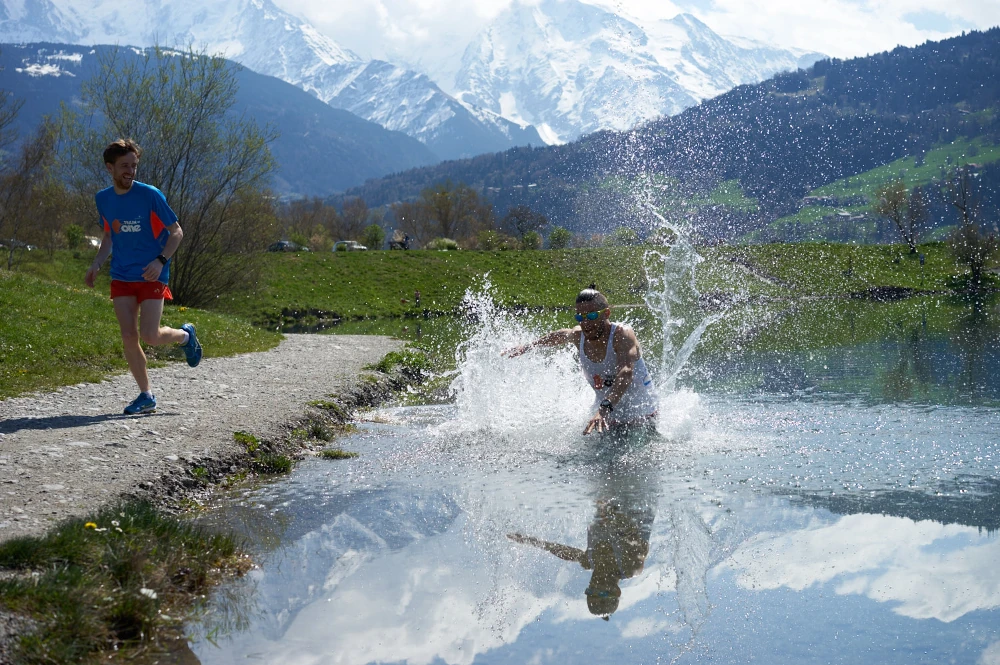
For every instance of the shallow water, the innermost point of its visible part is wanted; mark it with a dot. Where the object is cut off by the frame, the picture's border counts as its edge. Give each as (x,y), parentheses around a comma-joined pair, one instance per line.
(814,514)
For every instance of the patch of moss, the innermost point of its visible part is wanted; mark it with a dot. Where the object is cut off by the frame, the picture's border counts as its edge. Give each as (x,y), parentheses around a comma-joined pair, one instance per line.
(271,463)
(410,360)
(337,453)
(249,441)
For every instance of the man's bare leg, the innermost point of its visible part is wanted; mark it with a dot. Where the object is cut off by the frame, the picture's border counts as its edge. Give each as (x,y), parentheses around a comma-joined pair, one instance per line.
(150,330)
(127,312)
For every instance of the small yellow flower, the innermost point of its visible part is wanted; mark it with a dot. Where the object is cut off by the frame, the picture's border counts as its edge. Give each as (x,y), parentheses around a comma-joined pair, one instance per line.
(182,309)
(89,525)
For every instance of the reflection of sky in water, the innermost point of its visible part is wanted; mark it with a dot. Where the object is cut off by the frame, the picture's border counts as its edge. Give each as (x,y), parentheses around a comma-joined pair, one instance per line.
(783,532)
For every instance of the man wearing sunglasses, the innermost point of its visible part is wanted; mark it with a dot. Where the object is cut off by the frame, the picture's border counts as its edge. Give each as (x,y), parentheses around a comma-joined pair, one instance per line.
(612,363)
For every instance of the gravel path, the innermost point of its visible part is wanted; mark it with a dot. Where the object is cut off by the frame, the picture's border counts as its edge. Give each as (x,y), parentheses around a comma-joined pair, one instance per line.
(65,453)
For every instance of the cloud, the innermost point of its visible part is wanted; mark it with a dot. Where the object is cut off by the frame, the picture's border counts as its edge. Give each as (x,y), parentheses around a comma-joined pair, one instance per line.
(925,569)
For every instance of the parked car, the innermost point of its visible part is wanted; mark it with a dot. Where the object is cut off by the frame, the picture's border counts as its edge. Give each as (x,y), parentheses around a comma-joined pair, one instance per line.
(16,244)
(287,246)
(348,246)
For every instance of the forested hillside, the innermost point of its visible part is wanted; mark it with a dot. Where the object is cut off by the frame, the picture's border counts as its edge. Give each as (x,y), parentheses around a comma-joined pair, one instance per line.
(777,140)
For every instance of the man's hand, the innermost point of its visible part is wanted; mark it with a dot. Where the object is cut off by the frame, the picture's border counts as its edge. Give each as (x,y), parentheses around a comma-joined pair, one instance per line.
(517,351)
(152,271)
(598,423)
(91,275)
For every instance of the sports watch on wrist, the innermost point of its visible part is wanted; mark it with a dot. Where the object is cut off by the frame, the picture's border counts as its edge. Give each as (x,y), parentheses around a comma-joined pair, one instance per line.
(162,259)
(607,405)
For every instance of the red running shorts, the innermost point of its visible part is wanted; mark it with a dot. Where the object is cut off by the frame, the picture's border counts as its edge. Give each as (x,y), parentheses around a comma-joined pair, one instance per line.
(141,290)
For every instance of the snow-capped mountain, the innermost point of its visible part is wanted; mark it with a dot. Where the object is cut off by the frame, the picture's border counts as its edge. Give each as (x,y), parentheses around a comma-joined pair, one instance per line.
(570,68)
(270,41)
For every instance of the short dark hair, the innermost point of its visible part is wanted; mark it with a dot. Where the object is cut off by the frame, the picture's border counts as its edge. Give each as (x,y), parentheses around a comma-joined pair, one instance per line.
(591,294)
(120,148)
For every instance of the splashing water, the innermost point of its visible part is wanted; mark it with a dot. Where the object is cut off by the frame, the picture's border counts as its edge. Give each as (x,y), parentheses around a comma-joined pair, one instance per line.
(533,396)
(673,286)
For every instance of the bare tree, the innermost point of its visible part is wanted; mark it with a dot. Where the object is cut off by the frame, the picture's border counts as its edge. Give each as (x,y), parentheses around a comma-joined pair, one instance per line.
(907,210)
(455,211)
(969,244)
(354,218)
(23,184)
(521,219)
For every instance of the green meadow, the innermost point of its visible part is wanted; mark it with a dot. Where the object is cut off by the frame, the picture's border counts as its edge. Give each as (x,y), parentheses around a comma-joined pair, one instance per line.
(54,331)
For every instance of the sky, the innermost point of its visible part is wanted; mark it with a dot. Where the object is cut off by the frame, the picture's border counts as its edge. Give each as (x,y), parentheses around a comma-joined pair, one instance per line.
(428,31)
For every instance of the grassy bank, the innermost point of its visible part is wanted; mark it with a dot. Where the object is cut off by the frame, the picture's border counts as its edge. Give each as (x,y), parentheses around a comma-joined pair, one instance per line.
(54,334)
(382,284)
(120,582)
(55,331)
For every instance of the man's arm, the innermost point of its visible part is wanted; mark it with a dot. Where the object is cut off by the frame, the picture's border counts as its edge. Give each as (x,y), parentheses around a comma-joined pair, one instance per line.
(564,552)
(102,255)
(627,352)
(554,338)
(154,268)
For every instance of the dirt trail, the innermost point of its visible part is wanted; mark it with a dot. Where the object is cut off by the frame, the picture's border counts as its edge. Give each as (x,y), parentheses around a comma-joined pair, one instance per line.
(66,453)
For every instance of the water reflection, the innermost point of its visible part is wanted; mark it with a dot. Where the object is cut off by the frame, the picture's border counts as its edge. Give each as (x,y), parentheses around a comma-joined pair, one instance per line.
(618,534)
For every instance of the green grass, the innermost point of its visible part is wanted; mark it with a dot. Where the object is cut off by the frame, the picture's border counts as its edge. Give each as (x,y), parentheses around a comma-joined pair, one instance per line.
(337,453)
(935,165)
(375,284)
(55,334)
(821,269)
(111,583)
(410,360)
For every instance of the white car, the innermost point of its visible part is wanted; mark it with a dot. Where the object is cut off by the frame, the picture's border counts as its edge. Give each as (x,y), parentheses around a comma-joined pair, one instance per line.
(348,246)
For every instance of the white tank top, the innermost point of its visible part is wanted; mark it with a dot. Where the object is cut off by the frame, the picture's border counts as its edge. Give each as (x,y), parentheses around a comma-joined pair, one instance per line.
(639,401)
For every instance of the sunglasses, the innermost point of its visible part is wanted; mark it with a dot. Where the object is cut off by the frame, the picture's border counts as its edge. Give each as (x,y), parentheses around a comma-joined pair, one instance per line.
(591,316)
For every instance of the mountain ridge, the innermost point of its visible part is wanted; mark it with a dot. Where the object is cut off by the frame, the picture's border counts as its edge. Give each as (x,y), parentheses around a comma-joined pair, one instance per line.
(777,140)
(320,149)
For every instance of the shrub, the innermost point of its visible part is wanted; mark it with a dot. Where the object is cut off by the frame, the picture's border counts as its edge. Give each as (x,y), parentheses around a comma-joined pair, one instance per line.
(531,240)
(491,241)
(560,238)
(373,237)
(442,244)
(74,236)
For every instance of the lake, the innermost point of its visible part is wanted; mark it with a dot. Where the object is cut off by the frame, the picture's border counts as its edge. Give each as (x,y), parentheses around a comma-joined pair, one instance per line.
(822,486)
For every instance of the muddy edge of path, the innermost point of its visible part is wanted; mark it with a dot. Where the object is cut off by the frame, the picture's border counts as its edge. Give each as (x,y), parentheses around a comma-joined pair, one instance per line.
(69,452)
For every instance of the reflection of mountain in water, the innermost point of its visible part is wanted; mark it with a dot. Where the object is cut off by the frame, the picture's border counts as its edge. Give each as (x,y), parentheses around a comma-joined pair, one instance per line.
(315,562)
(968,500)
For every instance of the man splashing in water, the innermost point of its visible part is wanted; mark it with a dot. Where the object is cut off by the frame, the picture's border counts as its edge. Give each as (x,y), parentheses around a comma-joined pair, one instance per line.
(612,363)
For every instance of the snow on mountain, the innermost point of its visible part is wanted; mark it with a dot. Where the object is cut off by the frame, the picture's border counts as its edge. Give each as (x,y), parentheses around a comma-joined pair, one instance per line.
(270,41)
(570,68)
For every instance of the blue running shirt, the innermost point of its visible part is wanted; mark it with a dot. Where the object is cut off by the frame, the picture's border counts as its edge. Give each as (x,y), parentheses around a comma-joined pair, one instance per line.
(138,221)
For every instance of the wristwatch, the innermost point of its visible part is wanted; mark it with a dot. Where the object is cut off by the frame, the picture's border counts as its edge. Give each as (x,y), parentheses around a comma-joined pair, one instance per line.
(607,405)
(162,259)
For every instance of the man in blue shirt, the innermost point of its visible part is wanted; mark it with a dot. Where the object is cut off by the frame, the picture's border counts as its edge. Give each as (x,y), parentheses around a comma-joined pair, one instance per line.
(141,233)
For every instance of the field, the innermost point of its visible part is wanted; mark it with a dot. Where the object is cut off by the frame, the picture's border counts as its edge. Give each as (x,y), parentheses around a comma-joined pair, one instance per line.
(54,331)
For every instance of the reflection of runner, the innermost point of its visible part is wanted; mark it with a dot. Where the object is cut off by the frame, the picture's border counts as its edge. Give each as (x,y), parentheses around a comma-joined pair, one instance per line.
(611,360)
(617,545)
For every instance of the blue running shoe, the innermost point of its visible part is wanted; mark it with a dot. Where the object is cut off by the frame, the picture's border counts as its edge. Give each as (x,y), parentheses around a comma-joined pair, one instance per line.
(192,349)
(141,404)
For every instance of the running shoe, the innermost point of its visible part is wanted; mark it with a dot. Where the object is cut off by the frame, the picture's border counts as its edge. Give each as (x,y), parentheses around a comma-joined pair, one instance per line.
(192,350)
(141,404)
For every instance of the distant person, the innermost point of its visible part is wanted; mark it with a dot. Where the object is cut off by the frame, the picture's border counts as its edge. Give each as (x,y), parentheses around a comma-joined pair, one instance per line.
(416,297)
(612,364)
(141,234)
